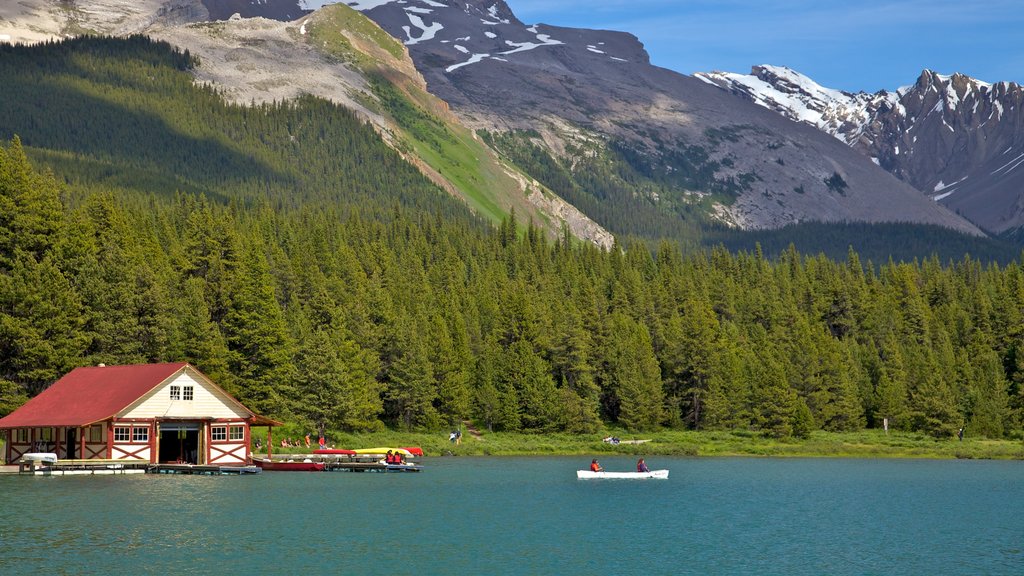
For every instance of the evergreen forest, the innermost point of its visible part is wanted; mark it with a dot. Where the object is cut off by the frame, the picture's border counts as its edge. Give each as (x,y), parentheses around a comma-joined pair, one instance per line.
(300,263)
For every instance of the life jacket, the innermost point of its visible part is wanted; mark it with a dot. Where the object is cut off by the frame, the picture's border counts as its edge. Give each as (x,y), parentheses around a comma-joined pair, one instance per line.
(595,467)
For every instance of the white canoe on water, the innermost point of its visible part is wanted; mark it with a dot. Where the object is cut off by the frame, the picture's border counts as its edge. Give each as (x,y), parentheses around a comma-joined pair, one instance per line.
(588,475)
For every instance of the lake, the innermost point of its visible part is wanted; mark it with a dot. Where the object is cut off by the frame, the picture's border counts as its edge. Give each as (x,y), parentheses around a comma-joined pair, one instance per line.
(529,516)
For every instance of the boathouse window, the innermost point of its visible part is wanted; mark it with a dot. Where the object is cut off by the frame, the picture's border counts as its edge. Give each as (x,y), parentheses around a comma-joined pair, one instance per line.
(95,433)
(187,393)
(45,434)
(175,392)
(22,435)
(122,433)
(218,433)
(140,434)
(237,433)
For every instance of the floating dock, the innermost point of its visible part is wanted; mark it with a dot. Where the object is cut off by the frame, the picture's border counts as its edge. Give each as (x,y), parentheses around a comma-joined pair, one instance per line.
(111,467)
(346,463)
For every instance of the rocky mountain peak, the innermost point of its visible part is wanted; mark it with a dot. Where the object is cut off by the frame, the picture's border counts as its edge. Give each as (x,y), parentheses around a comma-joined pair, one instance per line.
(944,134)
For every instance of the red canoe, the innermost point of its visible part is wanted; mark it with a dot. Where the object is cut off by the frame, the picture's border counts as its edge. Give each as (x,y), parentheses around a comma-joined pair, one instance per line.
(415,450)
(290,466)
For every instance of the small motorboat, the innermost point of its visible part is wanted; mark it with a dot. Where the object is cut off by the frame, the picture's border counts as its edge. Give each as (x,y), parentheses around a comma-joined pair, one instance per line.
(589,475)
(290,465)
(40,457)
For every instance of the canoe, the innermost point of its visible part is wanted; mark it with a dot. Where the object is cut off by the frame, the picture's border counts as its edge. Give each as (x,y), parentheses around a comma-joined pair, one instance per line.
(382,451)
(404,467)
(279,466)
(414,450)
(335,451)
(588,475)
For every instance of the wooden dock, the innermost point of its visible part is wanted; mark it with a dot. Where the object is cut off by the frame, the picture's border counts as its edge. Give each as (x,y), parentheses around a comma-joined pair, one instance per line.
(114,467)
(207,470)
(345,462)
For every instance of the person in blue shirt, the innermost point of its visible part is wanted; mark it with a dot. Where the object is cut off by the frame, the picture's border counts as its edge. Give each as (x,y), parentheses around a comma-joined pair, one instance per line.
(641,466)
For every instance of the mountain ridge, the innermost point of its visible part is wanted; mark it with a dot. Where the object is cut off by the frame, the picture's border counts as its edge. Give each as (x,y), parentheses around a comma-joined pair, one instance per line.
(596,91)
(953,137)
(498,73)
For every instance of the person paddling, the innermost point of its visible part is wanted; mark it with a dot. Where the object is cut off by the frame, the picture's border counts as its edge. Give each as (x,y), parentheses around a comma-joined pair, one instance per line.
(641,466)
(595,466)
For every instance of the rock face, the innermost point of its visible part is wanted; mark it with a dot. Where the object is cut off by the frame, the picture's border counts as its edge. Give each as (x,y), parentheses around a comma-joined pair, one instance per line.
(572,85)
(499,73)
(957,139)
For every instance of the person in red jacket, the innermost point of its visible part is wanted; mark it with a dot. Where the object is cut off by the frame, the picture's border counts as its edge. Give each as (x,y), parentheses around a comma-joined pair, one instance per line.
(595,467)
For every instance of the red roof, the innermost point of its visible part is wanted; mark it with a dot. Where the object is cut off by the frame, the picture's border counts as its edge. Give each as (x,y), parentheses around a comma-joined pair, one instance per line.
(91,394)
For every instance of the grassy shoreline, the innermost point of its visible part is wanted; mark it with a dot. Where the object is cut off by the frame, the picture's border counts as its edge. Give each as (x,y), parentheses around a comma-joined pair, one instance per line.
(864,444)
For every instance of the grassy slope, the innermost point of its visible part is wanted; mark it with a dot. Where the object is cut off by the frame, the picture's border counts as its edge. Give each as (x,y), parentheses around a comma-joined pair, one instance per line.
(866,444)
(448,150)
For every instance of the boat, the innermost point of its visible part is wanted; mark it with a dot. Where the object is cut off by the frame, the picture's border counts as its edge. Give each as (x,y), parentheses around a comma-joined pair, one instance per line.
(334,451)
(403,467)
(382,451)
(290,466)
(40,457)
(589,475)
(414,450)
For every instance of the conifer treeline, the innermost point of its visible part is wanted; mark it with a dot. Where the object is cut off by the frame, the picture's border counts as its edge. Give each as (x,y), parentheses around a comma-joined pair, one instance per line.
(299,262)
(404,317)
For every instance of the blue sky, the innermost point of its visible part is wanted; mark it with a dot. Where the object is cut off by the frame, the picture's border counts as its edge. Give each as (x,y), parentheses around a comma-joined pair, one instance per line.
(851,45)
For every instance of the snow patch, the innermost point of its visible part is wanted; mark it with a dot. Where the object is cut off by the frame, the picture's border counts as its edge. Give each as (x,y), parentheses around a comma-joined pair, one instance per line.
(543,40)
(595,50)
(875,160)
(360,5)
(1011,165)
(490,35)
(493,11)
(472,60)
(428,31)
(419,9)
(302,29)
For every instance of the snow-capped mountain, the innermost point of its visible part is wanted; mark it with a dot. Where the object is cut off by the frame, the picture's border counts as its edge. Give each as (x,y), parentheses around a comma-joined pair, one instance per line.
(955,138)
(498,73)
(841,114)
(569,90)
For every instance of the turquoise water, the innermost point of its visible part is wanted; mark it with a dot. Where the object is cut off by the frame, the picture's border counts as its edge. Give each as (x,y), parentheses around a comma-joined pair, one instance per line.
(529,516)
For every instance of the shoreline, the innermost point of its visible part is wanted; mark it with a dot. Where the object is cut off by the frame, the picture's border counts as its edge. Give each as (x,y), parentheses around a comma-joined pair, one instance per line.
(735,444)
(717,444)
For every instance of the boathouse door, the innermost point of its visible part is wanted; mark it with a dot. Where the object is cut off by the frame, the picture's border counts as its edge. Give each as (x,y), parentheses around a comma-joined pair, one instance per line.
(179,442)
(71,446)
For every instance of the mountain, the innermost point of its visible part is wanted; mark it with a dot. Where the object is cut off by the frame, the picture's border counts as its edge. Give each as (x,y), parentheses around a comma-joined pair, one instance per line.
(571,92)
(954,138)
(336,54)
(580,129)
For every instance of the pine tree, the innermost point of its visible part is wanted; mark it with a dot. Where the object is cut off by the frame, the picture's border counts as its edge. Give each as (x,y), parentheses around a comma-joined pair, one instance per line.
(633,375)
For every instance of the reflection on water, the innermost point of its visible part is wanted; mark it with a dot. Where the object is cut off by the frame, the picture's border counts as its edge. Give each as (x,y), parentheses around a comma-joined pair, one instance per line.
(528,516)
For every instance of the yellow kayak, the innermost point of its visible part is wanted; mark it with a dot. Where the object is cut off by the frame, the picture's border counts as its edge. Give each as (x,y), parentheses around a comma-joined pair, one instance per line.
(402,451)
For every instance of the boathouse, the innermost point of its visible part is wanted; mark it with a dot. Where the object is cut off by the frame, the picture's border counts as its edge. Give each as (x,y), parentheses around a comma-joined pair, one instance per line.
(156,413)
